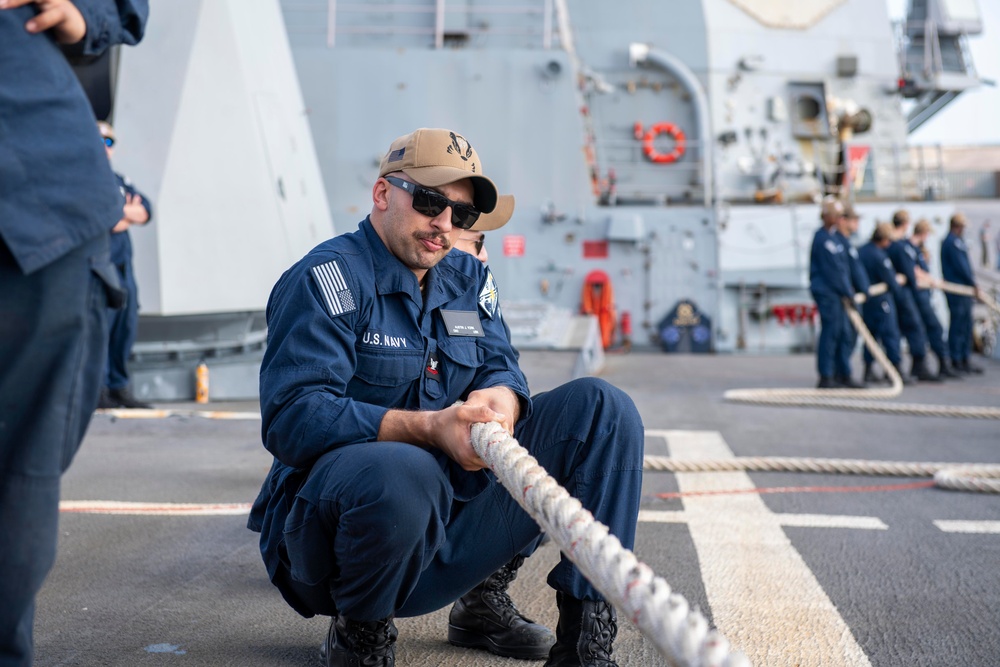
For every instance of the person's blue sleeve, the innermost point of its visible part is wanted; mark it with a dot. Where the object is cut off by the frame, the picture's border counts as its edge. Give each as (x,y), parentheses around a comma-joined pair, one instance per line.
(903,264)
(132,190)
(500,367)
(858,275)
(309,361)
(109,22)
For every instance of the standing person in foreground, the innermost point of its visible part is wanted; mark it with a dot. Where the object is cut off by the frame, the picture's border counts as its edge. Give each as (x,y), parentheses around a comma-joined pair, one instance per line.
(123,322)
(377,505)
(58,199)
(956,268)
(830,285)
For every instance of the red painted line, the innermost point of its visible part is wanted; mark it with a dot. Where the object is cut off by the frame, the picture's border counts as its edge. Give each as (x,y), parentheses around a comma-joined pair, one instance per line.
(803,489)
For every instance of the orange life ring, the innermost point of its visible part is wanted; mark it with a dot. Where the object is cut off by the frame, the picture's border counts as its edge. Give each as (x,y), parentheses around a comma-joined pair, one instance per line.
(680,142)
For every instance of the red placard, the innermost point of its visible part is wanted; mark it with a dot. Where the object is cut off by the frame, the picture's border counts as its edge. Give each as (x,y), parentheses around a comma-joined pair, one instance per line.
(595,249)
(513,245)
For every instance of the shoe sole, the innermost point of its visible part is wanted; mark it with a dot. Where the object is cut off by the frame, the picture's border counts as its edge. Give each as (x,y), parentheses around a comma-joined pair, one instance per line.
(468,639)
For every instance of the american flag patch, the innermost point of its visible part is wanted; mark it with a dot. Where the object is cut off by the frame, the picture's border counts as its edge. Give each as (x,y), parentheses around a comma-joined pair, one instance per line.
(396,155)
(338,297)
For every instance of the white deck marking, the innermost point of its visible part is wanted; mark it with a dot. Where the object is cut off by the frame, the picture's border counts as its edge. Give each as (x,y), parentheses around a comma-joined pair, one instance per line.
(797,520)
(763,596)
(153,509)
(986,527)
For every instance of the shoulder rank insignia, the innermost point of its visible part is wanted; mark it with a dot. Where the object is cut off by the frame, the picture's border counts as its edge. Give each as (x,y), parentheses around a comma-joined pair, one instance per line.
(489,298)
(332,285)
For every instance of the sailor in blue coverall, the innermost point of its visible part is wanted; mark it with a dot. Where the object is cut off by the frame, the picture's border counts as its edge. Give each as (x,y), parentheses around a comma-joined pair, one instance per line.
(956,268)
(376,505)
(830,285)
(922,298)
(124,321)
(847,228)
(58,199)
(879,311)
(904,260)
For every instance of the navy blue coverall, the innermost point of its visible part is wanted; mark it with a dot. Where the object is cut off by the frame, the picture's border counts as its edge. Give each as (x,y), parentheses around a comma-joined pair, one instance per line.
(123,323)
(58,199)
(879,311)
(370,529)
(859,283)
(932,325)
(956,268)
(829,282)
(903,255)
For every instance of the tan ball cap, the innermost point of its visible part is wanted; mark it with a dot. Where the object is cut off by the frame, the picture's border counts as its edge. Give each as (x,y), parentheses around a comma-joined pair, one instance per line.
(498,218)
(436,157)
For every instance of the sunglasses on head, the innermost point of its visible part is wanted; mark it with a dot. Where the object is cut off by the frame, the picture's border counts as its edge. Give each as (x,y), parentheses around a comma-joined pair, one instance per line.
(477,243)
(109,141)
(432,203)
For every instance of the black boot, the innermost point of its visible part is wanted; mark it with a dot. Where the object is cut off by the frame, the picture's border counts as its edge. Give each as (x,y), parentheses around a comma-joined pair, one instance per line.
(360,643)
(847,382)
(826,382)
(105,402)
(584,635)
(870,377)
(486,618)
(905,377)
(945,369)
(125,399)
(922,373)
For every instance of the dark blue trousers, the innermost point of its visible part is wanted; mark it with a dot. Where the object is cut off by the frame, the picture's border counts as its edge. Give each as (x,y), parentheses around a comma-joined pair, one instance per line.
(123,324)
(396,542)
(910,324)
(960,328)
(834,328)
(932,325)
(53,330)
(881,320)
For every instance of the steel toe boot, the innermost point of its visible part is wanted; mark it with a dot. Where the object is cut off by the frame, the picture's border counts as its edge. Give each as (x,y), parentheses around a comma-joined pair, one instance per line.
(486,618)
(586,630)
(360,643)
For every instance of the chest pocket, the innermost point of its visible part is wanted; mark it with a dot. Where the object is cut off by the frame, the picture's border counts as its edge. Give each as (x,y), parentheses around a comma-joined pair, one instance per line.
(389,369)
(459,359)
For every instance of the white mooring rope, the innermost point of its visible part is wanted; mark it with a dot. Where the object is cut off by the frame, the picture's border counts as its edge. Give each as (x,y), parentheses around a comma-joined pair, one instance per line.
(680,634)
(862,399)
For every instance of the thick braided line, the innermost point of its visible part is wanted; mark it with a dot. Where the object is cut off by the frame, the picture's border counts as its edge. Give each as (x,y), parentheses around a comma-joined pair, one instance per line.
(981,477)
(966,290)
(859,400)
(680,634)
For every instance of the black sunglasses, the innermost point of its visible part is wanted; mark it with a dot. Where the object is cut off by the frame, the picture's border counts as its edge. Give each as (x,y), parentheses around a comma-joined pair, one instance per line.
(478,243)
(109,141)
(431,203)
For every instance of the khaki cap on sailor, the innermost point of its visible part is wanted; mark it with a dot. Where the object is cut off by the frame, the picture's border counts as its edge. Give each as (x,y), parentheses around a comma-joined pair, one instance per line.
(436,157)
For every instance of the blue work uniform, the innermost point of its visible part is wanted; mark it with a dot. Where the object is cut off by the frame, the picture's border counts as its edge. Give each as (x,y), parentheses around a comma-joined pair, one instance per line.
(829,283)
(123,323)
(879,311)
(904,258)
(932,325)
(859,284)
(58,199)
(369,529)
(956,268)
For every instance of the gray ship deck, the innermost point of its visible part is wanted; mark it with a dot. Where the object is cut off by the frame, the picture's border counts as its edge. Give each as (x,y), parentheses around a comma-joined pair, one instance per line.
(819,558)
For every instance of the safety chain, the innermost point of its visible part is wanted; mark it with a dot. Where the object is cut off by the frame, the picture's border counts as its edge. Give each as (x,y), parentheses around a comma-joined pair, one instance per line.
(862,399)
(680,633)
